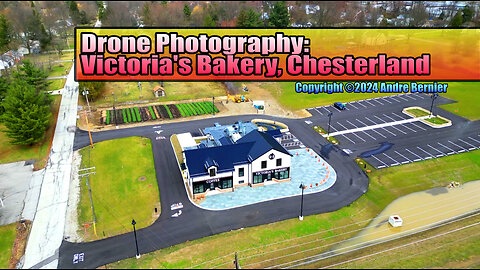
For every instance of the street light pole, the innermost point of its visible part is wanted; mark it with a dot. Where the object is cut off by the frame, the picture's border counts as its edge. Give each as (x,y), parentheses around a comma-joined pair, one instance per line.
(329,120)
(213,105)
(301,205)
(434,96)
(114,112)
(85,93)
(137,255)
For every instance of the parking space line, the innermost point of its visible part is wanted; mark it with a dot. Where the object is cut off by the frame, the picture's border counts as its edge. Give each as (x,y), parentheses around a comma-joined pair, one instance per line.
(351,124)
(369,103)
(350,104)
(376,100)
(399,116)
(382,127)
(352,132)
(394,98)
(457,145)
(358,102)
(396,162)
(400,124)
(447,148)
(318,111)
(379,160)
(468,144)
(402,156)
(386,99)
(414,155)
(418,126)
(372,129)
(347,138)
(474,139)
(326,109)
(399,96)
(410,96)
(426,152)
(389,126)
(441,153)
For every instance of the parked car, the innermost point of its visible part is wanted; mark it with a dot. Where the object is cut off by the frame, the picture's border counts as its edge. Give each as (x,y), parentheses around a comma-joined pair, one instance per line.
(339,105)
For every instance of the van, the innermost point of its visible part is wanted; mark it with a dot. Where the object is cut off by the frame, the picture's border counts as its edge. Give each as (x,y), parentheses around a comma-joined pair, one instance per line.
(339,105)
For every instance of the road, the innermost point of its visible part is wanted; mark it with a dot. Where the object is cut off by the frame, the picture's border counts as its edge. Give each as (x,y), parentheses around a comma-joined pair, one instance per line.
(196,223)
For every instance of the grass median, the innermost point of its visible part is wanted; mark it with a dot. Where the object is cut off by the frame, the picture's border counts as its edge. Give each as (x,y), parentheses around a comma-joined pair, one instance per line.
(123,188)
(318,232)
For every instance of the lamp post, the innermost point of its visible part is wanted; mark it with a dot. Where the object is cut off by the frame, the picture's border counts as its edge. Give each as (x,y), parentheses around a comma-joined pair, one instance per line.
(137,255)
(213,105)
(329,120)
(301,205)
(434,96)
(85,93)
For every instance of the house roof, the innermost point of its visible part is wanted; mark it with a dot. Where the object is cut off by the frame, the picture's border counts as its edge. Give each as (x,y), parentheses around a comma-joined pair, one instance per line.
(225,157)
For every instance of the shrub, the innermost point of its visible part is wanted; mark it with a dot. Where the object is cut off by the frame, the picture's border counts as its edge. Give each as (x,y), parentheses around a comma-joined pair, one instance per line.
(129,116)
(107,121)
(124,116)
(152,112)
(181,109)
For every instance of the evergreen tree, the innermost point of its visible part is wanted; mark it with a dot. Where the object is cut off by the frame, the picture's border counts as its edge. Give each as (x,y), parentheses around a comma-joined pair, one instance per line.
(249,18)
(457,20)
(33,76)
(209,22)
(4,84)
(26,115)
(279,17)
(36,29)
(467,14)
(74,12)
(6,33)
(147,14)
(186,10)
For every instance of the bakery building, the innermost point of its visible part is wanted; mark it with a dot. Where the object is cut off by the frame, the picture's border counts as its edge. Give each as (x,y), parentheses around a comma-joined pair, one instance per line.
(254,158)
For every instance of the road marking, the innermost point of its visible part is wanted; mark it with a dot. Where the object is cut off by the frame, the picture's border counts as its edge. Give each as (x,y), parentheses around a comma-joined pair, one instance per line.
(420,96)
(426,152)
(400,124)
(447,148)
(473,139)
(379,160)
(441,153)
(389,126)
(474,147)
(399,96)
(369,103)
(381,128)
(415,155)
(347,138)
(361,104)
(326,109)
(403,157)
(362,130)
(318,111)
(351,104)
(410,96)
(352,132)
(371,129)
(394,98)
(396,162)
(456,145)
(376,100)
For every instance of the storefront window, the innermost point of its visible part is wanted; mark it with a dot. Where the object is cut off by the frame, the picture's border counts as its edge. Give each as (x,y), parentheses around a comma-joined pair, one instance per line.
(257,179)
(198,187)
(226,183)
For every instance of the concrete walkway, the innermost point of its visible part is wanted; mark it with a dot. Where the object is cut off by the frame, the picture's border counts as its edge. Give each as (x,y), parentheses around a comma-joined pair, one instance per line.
(57,77)
(376,126)
(49,223)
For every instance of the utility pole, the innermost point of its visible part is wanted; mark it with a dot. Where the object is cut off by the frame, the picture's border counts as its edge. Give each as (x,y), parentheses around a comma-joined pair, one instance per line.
(85,93)
(88,171)
(236,262)
(88,127)
(302,186)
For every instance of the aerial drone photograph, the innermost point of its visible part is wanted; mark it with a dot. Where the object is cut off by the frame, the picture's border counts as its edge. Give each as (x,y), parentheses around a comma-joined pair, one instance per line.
(239,134)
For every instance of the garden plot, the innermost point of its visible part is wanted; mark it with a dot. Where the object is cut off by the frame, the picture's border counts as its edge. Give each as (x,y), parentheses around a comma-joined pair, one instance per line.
(154,112)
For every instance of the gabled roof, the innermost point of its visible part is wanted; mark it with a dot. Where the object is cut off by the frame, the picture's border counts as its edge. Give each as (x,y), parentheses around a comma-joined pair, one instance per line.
(225,157)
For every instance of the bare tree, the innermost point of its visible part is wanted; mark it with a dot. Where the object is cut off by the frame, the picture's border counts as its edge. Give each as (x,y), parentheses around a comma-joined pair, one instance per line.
(418,14)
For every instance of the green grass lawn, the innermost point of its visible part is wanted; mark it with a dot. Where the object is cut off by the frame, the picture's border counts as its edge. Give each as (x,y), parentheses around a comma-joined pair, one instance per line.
(192,90)
(468,96)
(118,194)
(418,112)
(60,69)
(385,186)
(7,238)
(56,84)
(322,131)
(436,120)
(11,153)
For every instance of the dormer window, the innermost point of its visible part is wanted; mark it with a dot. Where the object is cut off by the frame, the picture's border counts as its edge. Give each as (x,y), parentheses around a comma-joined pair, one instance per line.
(212,172)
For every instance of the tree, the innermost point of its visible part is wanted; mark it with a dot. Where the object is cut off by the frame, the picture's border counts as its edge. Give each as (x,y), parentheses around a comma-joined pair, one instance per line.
(186,11)
(249,18)
(467,14)
(36,29)
(279,17)
(26,115)
(6,33)
(418,13)
(4,84)
(78,17)
(209,22)
(94,89)
(32,75)
(457,20)
(147,15)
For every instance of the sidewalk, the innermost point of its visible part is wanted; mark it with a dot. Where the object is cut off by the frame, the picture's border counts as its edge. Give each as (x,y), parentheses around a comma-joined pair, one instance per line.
(49,223)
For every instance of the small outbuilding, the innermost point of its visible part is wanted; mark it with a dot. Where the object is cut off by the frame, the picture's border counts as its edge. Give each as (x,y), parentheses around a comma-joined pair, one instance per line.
(395,221)
(158,91)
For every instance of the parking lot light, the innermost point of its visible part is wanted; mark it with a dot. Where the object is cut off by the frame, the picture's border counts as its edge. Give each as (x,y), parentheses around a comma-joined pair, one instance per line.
(329,120)
(301,205)
(137,255)
(434,96)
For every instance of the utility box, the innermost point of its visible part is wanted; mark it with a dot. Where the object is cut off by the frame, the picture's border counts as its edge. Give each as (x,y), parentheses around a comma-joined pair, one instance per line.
(395,221)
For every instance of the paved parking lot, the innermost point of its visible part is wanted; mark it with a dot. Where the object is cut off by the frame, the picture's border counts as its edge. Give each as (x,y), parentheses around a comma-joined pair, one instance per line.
(378,134)
(434,149)
(323,111)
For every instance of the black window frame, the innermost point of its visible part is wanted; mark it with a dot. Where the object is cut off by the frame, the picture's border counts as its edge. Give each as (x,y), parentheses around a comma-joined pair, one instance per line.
(279,160)
(212,170)
(241,172)
(264,162)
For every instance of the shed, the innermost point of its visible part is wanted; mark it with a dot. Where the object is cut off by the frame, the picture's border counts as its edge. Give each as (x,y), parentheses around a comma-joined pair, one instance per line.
(158,91)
